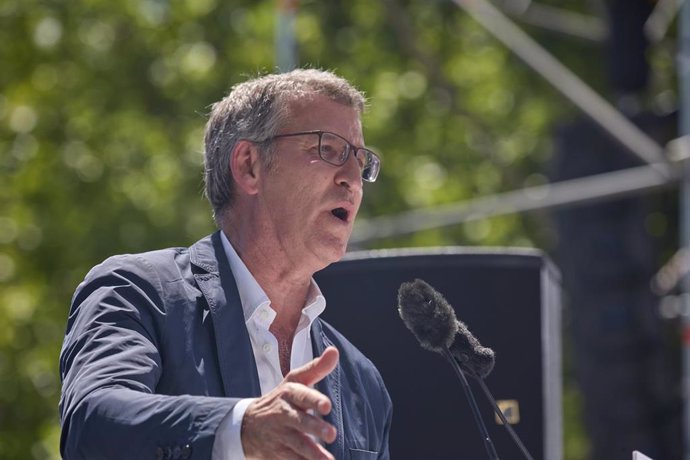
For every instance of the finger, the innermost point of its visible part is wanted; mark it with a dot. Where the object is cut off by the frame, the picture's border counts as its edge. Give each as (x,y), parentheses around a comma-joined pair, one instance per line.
(316,369)
(306,447)
(314,425)
(305,398)
(283,453)
(287,435)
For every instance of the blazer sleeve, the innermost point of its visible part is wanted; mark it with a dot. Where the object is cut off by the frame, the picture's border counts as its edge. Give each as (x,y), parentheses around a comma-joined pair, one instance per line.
(110,364)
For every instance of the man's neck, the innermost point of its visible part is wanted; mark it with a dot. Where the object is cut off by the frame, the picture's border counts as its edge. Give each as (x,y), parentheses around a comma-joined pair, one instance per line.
(286,286)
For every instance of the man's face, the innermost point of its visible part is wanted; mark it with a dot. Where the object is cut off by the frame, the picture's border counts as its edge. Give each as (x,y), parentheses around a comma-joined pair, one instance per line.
(310,205)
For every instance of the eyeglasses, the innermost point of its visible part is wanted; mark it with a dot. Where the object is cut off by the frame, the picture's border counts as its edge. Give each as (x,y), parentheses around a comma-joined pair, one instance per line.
(335,149)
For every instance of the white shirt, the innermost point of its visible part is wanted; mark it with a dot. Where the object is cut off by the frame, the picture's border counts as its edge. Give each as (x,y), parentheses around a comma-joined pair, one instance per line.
(258,316)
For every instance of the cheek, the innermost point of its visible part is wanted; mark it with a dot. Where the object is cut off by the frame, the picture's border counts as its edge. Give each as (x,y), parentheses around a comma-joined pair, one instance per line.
(358,200)
(299,201)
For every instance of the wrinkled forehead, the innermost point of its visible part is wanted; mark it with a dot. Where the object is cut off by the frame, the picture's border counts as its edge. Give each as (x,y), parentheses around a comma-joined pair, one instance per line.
(319,112)
(298,101)
(342,94)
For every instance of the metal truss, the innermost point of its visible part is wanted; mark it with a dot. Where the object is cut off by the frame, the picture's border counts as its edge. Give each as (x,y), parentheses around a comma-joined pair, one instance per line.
(660,171)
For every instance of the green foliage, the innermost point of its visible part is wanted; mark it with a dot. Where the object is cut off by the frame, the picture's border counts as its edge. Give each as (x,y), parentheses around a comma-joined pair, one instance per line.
(102,109)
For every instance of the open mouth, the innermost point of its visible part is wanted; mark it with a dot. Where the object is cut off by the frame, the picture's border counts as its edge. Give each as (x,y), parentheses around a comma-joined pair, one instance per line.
(340,213)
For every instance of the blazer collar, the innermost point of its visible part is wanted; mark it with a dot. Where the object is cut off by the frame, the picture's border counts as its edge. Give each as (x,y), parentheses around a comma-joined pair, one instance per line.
(331,387)
(216,282)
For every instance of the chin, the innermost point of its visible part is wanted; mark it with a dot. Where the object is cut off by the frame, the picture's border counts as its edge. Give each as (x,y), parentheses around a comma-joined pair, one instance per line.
(331,254)
(335,255)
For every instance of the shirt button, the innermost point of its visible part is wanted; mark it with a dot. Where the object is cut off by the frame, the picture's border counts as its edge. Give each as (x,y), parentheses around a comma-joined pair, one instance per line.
(266,348)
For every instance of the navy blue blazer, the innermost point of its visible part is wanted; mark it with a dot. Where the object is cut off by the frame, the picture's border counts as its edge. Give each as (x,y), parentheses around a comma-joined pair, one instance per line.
(156,353)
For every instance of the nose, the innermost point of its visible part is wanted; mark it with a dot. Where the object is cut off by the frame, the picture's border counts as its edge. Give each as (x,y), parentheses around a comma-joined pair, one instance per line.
(349,174)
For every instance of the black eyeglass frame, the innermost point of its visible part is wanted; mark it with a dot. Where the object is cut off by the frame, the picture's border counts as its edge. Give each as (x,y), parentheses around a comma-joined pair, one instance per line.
(371,167)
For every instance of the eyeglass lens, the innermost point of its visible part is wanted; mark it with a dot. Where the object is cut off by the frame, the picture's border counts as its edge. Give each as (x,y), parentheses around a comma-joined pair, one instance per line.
(336,150)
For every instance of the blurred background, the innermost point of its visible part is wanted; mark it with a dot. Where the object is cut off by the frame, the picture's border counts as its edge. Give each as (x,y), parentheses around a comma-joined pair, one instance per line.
(102,110)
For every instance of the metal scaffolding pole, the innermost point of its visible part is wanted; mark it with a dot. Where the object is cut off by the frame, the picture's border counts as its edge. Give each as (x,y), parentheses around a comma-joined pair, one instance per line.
(599,187)
(683,62)
(565,81)
(660,172)
(559,20)
(286,45)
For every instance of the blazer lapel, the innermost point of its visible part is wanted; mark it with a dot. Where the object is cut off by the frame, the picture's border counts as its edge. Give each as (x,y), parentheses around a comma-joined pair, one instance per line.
(216,282)
(331,387)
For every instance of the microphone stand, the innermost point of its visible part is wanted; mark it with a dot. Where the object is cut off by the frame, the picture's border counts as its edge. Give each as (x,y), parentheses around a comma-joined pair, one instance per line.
(488,444)
(499,412)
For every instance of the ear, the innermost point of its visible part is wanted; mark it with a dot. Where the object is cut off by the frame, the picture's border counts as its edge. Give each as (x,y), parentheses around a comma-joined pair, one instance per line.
(245,165)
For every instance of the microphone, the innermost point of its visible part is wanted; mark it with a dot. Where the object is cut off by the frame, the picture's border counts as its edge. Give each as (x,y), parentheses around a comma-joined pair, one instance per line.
(428,315)
(474,359)
(432,320)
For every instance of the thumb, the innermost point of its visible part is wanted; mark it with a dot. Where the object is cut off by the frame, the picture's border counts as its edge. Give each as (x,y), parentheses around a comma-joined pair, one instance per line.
(316,369)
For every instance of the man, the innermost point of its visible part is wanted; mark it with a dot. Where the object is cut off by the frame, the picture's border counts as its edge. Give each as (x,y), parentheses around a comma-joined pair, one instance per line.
(216,351)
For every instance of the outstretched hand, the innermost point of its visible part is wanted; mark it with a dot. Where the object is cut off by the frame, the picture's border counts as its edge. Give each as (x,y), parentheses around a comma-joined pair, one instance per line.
(279,424)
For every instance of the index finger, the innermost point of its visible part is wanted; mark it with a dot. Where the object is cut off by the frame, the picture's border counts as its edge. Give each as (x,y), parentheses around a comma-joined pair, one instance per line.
(316,369)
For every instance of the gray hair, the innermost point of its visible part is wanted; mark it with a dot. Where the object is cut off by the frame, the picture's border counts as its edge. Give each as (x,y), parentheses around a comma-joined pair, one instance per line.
(255,110)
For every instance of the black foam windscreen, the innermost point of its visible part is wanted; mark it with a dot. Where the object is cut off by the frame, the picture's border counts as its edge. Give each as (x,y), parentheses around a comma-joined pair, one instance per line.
(470,354)
(428,315)
(509,299)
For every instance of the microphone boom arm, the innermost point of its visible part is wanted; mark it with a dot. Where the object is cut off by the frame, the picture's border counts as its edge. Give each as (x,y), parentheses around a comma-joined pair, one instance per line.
(499,412)
(488,444)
